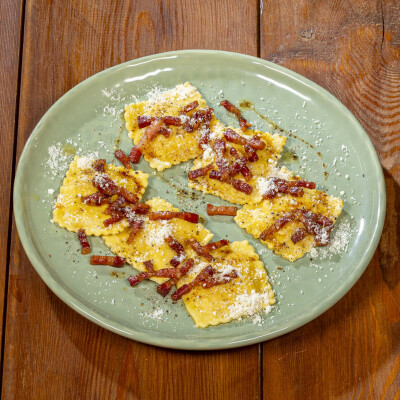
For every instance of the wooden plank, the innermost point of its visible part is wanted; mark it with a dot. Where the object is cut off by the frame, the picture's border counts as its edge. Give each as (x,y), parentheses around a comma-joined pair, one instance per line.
(353,50)
(10,30)
(52,352)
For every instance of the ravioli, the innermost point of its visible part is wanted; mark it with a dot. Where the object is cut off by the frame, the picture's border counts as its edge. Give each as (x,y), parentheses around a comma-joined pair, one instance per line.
(255,218)
(245,295)
(150,241)
(72,214)
(163,152)
(262,168)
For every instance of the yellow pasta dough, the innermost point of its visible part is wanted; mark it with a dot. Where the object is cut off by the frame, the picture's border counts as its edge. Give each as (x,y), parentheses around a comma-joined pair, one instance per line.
(245,295)
(72,214)
(262,168)
(255,218)
(163,152)
(149,243)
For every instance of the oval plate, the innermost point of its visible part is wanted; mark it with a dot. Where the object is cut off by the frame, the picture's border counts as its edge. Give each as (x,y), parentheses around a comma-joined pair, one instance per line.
(88,120)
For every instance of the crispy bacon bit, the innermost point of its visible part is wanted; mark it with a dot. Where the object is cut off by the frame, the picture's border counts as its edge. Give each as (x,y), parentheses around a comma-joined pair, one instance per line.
(112,261)
(224,169)
(236,183)
(205,279)
(305,184)
(149,265)
(315,224)
(84,242)
(240,161)
(213,281)
(136,226)
(322,220)
(167,215)
(116,217)
(244,124)
(201,277)
(198,118)
(234,152)
(138,208)
(239,166)
(295,188)
(219,148)
(233,109)
(215,245)
(199,249)
(105,184)
(222,163)
(99,165)
(204,137)
(165,131)
(95,199)
(166,287)
(221,210)
(241,186)
(121,156)
(251,153)
(256,143)
(135,155)
(176,121)
(205,133)
(144,121)
(162,273)
(115,206)
(247,174)
(200,172)
(232,136)
(151,132)
(129,196)
(235,168)
(300,234)
(190,107)
(278,224)
(179,250)
(215,175)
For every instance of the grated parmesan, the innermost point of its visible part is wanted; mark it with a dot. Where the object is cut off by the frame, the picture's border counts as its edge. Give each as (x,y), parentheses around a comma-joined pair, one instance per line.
(339,242)
(85,162)
(156,237)
(248,304)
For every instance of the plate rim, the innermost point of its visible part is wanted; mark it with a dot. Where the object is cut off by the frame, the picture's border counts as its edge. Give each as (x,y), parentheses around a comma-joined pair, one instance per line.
(198,344)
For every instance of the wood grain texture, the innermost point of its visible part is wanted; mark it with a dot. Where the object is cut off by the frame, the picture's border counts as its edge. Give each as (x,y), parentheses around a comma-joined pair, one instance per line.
(10,30)
(52,352)
(353,50)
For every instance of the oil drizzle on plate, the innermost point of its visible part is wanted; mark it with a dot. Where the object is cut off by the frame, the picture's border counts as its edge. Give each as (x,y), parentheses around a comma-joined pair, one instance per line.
(247,104)
(117,140)
(68,150)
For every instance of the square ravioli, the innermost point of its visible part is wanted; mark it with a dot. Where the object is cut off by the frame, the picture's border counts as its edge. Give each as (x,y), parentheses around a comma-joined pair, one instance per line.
(71,213)
(164,152)
(150,244)
(246,295)
(263,167)
(255,218)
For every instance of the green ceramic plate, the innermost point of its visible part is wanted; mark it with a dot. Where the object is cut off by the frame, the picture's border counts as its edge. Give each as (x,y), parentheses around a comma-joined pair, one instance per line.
(333,150)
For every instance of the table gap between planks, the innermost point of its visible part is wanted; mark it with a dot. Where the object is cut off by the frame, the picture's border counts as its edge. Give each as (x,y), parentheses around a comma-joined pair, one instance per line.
(351,49)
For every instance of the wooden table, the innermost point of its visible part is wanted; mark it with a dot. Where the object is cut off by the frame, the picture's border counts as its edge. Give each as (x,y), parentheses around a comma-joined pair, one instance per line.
(350,48)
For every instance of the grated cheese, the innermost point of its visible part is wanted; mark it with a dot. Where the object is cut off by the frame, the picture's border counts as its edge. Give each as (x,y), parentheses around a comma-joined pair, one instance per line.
(85,162)
(156,237)
(248,304)
(339,242)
